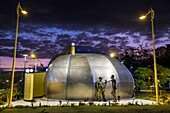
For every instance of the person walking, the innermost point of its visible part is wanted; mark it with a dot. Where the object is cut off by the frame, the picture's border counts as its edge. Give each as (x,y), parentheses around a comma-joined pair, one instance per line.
(100,90)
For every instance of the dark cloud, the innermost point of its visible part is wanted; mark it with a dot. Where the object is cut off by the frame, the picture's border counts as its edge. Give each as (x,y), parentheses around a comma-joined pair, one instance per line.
(46,41)
(94,25)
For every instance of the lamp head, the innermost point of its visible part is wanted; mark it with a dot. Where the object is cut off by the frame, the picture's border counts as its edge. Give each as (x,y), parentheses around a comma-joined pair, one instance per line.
(33,55)
(24,12)
(25,55)
(72,44)
(142,17)
(20,8)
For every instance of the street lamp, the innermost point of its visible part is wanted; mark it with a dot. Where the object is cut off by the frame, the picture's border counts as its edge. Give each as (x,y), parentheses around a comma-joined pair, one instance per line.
(35,61)
(25,65)
(18,9)
(151,11)
(25,60)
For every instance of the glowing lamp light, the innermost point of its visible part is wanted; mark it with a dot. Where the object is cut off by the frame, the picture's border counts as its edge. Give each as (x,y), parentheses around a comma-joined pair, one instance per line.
(33,56)
(31,70)
(112,55)
(142,17)
(27,70)
(24,12)
(72,44)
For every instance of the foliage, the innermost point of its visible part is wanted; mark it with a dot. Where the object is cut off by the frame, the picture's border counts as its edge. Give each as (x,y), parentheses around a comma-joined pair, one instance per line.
(144,76)
(137,57)
(163,76)
(17,94)
(140,63)
(4,93)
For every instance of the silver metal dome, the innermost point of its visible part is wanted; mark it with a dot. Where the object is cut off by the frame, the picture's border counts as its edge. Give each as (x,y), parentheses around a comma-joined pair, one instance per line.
(74,77)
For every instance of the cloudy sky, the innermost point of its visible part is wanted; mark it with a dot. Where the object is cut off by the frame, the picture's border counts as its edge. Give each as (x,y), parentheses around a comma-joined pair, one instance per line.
(96,26)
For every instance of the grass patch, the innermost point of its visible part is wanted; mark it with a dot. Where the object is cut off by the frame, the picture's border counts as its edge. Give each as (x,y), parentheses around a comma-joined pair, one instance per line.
(93,109)
(163,96)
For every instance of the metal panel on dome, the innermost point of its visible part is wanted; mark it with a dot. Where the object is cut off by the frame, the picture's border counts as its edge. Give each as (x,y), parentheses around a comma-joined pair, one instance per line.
(98,60)
(56,77)
(126,85)
(79,77)
(62,61)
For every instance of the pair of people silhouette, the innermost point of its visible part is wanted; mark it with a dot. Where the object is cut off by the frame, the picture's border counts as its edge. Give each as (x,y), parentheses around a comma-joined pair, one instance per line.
(100,86)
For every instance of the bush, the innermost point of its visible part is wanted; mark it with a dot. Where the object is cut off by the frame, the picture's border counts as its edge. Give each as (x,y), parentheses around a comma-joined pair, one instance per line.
(1,102)
(4,93)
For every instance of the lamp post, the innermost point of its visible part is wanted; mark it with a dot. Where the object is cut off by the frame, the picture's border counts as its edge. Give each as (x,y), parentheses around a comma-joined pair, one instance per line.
(151,11)
(25,65)
(18,9)
(25,60)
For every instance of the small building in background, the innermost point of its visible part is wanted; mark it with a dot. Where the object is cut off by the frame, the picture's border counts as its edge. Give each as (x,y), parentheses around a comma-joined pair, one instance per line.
(33,85)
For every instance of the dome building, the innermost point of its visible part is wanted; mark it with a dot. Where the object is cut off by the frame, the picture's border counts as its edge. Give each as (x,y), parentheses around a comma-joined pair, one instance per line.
(74,76)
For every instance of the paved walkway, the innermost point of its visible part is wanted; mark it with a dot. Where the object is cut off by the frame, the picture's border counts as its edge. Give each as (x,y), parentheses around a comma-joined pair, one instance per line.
(55,102)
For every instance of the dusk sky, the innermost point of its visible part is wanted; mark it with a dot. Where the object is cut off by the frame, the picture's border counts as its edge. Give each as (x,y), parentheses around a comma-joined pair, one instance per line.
(95,26)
